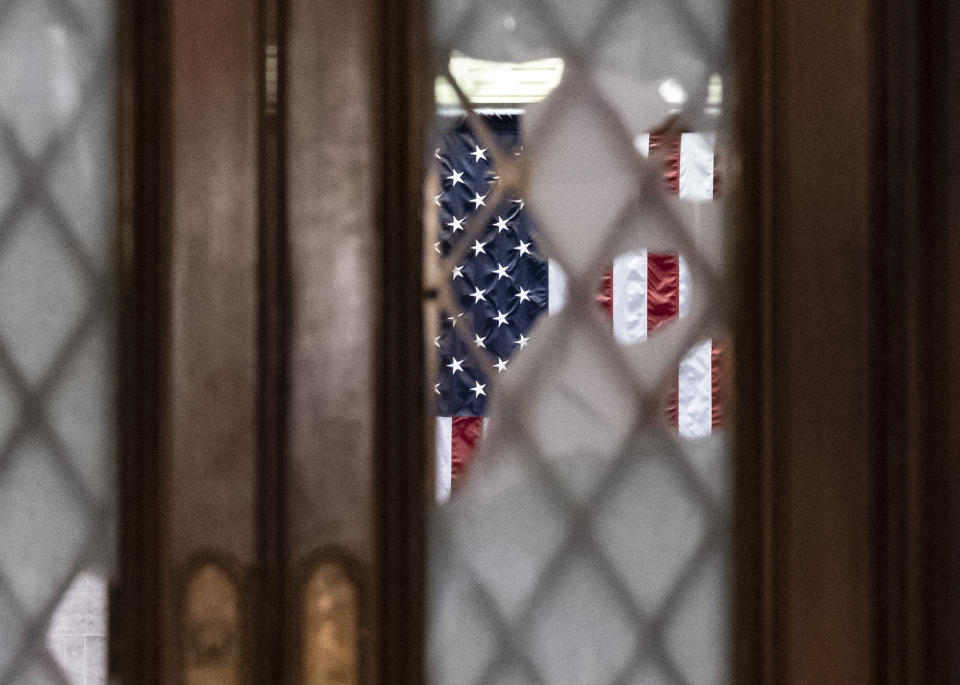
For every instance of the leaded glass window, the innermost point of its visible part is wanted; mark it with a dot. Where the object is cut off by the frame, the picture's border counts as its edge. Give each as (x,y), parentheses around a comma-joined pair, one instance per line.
(574,236)
(57,506)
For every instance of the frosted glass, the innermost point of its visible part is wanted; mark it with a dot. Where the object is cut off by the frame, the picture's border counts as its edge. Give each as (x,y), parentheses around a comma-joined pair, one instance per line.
(42,294)
(588,541)
(44,521)
(57,208)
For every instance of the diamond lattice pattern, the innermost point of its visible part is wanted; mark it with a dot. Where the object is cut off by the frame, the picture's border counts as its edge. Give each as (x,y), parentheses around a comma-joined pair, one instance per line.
(56,338)
(599,556)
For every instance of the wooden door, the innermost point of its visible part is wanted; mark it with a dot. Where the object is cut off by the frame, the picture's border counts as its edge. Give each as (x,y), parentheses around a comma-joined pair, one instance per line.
(250,531)
(272,473)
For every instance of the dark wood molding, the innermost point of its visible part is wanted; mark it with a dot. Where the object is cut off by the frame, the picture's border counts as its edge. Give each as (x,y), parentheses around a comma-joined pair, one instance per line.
(273,623)
(936,486)
(401,442)
(142,167)
(916,326)
(804,118)
(751,229)
(895,328)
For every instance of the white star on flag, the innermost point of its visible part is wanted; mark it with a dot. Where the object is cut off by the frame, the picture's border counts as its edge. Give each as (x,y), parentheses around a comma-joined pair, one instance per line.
(478,389)
(523,247)
(501,319)
(457,272)
(522,341)
(501,366)
(478,201)
(478,248)
(479,153)
(455,365)
(501,272)
(477,295)
(524,295)
(456,177)
(501,224)
(478,341)
(457,225)
(436,388)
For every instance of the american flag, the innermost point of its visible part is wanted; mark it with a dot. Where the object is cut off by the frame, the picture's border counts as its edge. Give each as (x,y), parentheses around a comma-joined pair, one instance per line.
(505,284)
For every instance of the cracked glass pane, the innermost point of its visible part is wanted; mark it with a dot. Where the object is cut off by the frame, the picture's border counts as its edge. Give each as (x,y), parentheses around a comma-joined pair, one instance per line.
(578,337)
(56,339)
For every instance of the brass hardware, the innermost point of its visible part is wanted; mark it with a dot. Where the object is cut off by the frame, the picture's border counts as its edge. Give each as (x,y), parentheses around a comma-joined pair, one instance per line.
(331,651)
(212,628)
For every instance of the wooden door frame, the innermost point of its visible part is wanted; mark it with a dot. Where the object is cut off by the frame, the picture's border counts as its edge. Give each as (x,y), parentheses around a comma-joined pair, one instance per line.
(143,161)
(402,443)
(803,597)
(908,495)
(917,359)
(898,592)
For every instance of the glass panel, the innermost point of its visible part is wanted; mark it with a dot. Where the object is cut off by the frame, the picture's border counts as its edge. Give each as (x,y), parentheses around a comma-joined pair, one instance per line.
(574,240)
(56,339)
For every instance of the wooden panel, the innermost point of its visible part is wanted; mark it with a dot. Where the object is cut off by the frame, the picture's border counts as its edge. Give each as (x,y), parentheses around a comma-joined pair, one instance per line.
(211,381)
(805,473)
(332,193)
(822,136)
(332,143)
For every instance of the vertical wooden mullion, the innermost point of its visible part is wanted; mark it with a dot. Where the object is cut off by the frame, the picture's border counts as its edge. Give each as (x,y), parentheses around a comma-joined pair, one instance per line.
(271,621)
(895,330)
(805,591)
(933,560)
(142,163)
(401,439)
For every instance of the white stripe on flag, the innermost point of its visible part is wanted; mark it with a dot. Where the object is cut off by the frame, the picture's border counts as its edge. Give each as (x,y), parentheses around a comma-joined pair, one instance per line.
(683,287)
(694,392)
(696,166)
(642,143)
(630,297)
(444,438)
(694,381)
(556,287)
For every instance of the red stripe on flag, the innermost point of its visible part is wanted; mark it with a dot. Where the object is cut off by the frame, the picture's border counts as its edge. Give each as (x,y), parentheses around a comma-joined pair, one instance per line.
(718,382)
(663,303)
(666,147)
(717,185)
(466,433)
(663,289)
(605,296)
